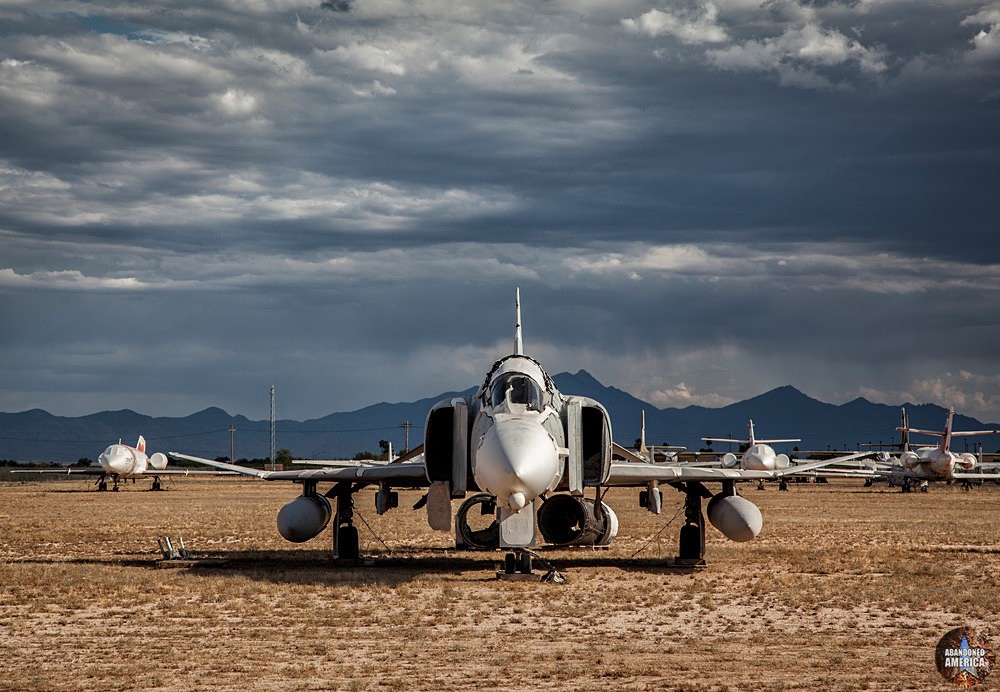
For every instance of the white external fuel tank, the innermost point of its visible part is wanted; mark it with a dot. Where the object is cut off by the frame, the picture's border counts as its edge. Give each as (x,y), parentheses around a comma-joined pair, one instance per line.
(304,518)
(735,517)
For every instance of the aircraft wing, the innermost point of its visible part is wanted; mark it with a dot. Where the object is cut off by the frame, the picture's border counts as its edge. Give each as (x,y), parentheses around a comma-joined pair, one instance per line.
(412,454)
(896,473)
(408,473)
(74,470)
(634,471)
(850,473)
(98,471)
(186,472)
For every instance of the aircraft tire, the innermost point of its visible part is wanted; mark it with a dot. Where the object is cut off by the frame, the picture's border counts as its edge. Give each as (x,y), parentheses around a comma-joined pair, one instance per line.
(690,543)
(347,543)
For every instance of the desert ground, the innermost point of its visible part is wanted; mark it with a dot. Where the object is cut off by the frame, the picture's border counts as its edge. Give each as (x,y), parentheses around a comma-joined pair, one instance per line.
(846,588)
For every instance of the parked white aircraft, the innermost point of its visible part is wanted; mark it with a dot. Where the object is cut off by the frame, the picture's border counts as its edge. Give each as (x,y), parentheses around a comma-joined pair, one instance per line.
(939,463)
(120,461)
(759,455)
(926,463)
(530,453)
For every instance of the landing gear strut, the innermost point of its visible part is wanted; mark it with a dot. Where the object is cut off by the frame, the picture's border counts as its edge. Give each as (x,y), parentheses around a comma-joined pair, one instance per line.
(691,549)
(346,546)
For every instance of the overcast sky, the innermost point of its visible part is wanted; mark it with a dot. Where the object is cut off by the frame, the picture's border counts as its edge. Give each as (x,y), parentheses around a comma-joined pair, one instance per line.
(700,201)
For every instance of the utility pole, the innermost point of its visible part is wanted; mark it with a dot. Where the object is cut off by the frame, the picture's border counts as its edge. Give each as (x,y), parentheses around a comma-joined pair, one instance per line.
(232,444)
(406,430)
(272,427)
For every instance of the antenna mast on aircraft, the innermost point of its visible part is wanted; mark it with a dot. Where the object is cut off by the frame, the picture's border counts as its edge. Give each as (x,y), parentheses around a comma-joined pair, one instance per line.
(518,346)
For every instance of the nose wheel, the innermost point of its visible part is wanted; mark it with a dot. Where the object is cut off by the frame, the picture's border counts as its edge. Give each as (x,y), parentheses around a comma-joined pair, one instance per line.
(518,566)
(517,562)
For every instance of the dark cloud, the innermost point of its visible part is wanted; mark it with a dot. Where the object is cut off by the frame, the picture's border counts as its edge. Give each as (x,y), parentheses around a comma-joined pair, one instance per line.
(337,5)
(699,201)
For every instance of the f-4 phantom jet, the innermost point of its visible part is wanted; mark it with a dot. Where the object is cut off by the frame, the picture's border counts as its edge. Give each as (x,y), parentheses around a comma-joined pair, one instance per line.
(529,455)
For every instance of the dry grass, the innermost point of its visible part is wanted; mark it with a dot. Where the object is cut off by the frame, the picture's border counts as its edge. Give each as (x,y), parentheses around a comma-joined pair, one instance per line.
(847,588)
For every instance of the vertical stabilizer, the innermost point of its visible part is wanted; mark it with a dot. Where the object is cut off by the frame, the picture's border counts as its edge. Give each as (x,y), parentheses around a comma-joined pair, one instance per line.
(904,435)
(751,438)
(518,346)
(141,444)
(946,437)
(643,449)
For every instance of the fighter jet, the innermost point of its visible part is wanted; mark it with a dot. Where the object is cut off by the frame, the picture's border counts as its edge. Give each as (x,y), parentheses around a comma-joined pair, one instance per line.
(530,454)
(120,461)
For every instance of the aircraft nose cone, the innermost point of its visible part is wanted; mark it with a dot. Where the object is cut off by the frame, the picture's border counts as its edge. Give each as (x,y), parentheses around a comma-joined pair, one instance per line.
(516,461)
(115,460)
(759,458)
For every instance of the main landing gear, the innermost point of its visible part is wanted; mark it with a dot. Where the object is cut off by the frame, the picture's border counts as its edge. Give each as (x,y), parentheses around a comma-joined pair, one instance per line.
(102,484)
(691,548)
(346,546)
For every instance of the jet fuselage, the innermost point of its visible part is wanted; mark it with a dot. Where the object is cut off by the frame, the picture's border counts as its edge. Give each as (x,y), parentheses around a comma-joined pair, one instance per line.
(124,461)
(517,443)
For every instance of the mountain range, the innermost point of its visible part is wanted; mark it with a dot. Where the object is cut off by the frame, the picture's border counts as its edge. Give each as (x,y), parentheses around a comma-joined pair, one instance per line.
(785,412)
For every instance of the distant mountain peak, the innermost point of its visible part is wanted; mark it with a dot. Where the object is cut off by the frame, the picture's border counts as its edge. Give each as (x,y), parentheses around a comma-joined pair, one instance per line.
(584,376)
(211,412)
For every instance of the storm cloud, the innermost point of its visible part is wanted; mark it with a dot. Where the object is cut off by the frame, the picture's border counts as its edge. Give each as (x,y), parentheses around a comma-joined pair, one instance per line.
(699,201)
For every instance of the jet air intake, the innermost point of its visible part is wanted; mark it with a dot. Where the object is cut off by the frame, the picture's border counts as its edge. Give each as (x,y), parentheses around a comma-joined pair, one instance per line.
(569,520)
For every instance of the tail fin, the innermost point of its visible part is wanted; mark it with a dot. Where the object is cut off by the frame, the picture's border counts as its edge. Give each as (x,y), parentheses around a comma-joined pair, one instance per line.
(518,346)
(754,441)
(946,437)
(643,449)
(141,444)
(904,435)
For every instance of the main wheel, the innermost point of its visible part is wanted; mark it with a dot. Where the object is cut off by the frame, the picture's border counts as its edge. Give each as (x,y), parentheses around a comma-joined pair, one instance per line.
(347,543)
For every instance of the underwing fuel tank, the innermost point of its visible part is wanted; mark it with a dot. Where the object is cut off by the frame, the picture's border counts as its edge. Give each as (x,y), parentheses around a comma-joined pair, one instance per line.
(735,517)
(304,518)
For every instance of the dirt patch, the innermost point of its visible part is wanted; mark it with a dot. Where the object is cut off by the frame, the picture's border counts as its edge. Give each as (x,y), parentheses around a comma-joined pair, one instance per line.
(844,589)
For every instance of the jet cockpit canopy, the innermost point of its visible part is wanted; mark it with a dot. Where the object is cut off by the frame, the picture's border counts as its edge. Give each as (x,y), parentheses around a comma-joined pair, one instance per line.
(516,388)
(518,380)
